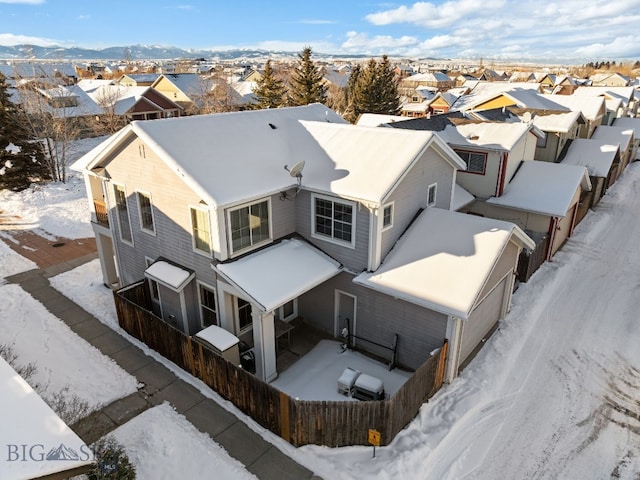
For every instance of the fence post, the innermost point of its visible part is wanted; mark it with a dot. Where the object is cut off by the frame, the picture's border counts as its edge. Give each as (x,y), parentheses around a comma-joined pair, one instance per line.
(442,361)
(284,417)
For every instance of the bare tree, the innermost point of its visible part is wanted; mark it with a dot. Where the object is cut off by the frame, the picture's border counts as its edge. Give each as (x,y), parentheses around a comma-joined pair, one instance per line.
(107,99)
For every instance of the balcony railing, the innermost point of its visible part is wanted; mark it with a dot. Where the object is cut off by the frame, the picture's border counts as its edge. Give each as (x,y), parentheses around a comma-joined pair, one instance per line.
(102,216)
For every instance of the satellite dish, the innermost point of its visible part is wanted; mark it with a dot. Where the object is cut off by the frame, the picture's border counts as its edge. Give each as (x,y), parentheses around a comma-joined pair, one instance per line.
(526,117)
(296,170)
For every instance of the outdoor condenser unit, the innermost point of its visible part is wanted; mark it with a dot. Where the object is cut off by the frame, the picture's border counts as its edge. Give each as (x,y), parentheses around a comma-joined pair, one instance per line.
(222,342)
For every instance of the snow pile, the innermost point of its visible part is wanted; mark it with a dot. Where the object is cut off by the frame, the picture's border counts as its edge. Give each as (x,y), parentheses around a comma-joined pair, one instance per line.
(62,357)
(163,444)
(11,263)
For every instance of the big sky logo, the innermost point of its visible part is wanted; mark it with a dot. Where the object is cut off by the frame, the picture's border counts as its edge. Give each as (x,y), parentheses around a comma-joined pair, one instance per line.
(38,453)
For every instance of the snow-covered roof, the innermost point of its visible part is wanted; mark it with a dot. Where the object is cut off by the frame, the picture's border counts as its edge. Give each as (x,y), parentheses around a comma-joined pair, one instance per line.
(377,119)
(543,187)
(557,122)
(461,197)
(218,337)
(428,77)
(443,260)
(623,93)
(615,135)
(28,421)
(251,149)
(591,107)
(279,273)
(488,135)
(122,97)
(631,124)
(90,84)
(597,156)
(483,91)
(169,275)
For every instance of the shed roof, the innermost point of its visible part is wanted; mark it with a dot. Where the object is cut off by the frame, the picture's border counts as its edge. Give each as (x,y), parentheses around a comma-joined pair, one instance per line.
(597,156)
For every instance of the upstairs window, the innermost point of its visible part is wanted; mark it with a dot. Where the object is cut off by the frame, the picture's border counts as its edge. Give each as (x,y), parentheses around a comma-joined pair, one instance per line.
(208,306)
(334,220)
(387,216)
(200,228)
(146,212)
(476,161)
(249,226)
(431,194)
(123,214)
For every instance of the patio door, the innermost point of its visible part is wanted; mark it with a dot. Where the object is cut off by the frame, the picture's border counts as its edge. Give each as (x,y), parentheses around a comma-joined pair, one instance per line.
(345,314)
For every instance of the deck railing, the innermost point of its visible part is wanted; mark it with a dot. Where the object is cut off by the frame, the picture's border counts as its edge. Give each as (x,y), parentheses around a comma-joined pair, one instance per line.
(102,214)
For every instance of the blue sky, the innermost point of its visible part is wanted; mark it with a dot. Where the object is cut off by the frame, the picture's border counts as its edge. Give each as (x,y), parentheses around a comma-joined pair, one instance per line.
(499,29)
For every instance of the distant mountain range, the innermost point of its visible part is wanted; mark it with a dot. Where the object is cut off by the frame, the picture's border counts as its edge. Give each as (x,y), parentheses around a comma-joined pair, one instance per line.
(135,52)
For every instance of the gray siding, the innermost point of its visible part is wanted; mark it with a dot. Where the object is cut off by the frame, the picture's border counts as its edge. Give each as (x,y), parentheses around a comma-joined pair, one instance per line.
(378,318)
(354,259)
(508,262)
(411,194)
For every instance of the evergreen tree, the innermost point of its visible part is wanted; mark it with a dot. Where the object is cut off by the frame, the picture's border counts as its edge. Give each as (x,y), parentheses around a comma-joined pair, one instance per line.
(269,90)
(21,159)
(306,84)
(373,89)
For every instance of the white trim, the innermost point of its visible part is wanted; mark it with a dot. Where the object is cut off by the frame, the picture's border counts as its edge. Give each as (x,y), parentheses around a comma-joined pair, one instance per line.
(384,207)
(336,309)
(253,246)
(215,297)
(153,217)
(433,186)
(236,317)
(193,237)
(331,239)
(117,212)
(293,315)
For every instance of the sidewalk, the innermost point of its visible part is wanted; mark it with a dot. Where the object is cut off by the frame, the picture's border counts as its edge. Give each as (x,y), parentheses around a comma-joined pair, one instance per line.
(159,384)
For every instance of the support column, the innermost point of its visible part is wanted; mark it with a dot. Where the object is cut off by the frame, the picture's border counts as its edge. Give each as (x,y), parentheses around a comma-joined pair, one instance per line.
(264,341)
(454,337)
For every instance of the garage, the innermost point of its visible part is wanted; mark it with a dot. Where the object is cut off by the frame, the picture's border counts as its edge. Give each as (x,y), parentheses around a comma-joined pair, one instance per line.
(482,319)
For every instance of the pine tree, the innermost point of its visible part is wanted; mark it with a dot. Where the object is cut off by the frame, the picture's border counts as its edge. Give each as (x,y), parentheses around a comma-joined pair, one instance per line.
(373,90)
(21,159)
(306,84)
(270,90)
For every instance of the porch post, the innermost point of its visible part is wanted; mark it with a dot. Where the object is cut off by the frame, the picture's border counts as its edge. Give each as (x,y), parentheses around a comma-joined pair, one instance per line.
(264,341)
(454,337)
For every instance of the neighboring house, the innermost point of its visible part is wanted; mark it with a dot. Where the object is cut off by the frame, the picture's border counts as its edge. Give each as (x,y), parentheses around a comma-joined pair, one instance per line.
(437,81)
(609,80)
(541,198)
(182,88)
(617,135)
(620,101)
(138,79)
(441,102)
(559,127)
(487,95)
(135,103)
(601,160)
(633,127)
(592,108)
(488,75)
(228,230)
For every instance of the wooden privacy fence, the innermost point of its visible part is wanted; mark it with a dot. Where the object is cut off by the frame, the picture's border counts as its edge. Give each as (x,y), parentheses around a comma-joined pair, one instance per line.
(530,261)
(300,422)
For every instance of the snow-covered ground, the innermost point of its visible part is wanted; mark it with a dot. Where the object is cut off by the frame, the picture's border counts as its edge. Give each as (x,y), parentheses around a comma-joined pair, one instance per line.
(553,394)
(62,357)
(163,444)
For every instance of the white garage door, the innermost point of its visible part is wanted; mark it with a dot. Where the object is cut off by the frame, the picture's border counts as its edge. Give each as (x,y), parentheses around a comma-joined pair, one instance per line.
(482,319)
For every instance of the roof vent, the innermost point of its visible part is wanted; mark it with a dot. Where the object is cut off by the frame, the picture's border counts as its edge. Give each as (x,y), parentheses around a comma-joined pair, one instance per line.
(273,127)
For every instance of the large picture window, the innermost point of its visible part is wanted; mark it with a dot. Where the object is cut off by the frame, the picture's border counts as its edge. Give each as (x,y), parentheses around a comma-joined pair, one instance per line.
(476,161)
(249,225)
(334,220)
(201,230)
(123,213)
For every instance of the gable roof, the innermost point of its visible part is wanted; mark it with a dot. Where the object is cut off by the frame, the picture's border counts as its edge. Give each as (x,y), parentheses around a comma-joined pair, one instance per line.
(444,260)
(591,107)
(543,187)
(250,150)
(488,135)
(597,156)
(615,135)
(483,91)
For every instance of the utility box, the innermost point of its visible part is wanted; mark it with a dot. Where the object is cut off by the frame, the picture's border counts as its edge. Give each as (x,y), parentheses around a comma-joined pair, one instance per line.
(222,342)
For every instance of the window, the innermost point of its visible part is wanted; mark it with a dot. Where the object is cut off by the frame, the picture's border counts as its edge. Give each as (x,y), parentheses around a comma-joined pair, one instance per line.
(334,220)
(200,229)
(123,214)
(431,194)
(387,216)
(476,162)
(244,315)
(208,307)
(249,225)
(146,212)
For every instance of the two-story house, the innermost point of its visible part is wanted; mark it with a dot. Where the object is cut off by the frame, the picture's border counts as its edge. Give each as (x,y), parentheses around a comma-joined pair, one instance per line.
(249,220)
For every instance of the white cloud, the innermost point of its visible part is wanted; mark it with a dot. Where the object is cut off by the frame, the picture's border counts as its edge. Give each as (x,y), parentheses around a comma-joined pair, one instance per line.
(10,39)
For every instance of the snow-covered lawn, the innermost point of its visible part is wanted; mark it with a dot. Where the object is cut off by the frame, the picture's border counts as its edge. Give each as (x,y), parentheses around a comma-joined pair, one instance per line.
(163,444)
(315,376)
(11,263)
(62,358)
